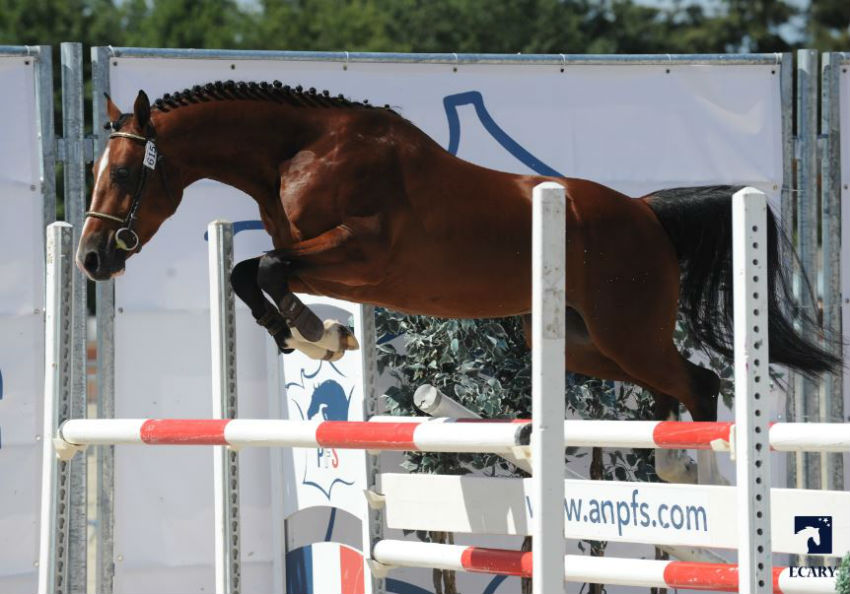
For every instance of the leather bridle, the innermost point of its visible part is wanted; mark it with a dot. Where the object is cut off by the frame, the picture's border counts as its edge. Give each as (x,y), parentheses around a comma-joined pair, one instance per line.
(125,237)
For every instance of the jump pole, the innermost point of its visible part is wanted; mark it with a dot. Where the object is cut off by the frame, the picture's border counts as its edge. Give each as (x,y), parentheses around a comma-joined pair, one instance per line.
(493,437)
(684,435)
(649,573)
(228,573)
(434,435)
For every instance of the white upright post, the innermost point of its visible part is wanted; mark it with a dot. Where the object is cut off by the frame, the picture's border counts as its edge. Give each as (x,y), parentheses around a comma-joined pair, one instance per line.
(752,450)
(226,467)
(547,393)
(53,559)
(372,519)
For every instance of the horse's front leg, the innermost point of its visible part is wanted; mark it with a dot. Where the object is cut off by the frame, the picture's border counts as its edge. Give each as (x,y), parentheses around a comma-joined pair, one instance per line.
(334,338)
(317,339)
(243,279)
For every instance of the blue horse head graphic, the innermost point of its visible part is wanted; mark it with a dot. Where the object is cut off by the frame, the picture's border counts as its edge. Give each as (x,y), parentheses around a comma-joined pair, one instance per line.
(330,401)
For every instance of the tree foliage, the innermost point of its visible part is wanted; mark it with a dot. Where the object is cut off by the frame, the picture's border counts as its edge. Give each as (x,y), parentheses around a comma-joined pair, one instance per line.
(829,24)
(479,26)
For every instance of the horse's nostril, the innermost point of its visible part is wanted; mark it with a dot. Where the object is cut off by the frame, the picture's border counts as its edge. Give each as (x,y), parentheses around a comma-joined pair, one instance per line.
(91,262)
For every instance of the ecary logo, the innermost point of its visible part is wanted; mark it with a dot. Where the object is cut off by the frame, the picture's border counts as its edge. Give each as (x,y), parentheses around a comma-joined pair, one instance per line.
(815,532)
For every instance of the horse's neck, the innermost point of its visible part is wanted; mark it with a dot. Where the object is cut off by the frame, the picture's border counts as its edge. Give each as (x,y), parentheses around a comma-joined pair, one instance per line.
(234,143)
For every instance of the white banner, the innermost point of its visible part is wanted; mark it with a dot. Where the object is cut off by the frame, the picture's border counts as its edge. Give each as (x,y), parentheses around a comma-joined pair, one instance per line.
(21,325)
(636,128)
(802,522)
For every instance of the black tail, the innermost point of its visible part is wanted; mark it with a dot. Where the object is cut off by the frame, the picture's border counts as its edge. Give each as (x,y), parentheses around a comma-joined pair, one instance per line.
(699,223)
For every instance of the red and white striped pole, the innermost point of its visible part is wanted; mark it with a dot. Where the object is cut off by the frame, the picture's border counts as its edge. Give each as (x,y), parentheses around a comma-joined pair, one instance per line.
(492,437)
(436,435)
(647,573)
(680,435)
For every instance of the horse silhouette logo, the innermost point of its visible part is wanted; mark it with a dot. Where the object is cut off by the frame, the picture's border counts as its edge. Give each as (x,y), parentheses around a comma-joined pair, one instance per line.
(816,532)
(329,401)
(324,468)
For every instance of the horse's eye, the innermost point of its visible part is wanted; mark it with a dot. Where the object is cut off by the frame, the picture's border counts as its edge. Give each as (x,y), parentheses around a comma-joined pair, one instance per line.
(120,173)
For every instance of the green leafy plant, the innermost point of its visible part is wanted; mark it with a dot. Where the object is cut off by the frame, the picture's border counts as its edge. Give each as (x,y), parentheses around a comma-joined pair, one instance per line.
(842,582)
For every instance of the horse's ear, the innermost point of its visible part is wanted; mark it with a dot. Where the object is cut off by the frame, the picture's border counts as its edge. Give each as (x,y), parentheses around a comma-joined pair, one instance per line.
(111,109)
(142,110)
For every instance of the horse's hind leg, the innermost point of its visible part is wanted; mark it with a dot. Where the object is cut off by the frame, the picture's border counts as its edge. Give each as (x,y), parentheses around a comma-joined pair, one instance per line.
(582,356)
(663,369)
(647,352)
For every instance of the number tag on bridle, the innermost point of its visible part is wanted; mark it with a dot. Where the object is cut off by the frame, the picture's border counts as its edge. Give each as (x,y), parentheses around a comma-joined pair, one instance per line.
(150,155)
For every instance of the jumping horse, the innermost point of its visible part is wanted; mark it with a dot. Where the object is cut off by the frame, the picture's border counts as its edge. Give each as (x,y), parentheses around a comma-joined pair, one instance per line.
(361,205)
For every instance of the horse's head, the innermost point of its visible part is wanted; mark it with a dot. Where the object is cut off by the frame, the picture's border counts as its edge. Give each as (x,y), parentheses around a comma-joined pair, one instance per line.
(134,192)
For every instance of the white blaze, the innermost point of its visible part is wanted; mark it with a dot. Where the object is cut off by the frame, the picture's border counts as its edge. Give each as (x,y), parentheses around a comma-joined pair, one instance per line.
(102,166)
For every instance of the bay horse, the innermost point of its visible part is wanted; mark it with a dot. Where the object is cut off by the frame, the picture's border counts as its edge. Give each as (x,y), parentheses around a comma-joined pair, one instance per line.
(363,206)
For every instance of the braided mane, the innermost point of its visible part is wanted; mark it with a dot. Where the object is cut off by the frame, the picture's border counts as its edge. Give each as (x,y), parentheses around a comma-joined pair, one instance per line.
(263,91)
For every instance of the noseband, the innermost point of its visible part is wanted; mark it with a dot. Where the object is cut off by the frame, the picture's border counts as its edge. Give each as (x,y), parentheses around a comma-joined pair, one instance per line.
(125,238)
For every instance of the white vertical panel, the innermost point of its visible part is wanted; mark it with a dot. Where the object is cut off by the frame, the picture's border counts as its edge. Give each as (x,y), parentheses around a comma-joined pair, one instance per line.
(23,214)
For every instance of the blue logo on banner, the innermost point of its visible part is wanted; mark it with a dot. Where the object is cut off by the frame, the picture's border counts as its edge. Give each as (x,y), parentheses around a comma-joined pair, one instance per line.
(328,400)
(325,401)
(817,532)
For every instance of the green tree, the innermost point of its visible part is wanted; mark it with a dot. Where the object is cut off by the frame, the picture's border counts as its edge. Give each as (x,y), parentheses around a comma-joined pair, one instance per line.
(184,23)
(355,25)
(51,22)
(829,24)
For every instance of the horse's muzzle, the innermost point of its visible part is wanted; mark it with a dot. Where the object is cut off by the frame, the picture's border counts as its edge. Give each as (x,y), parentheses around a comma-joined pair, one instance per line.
(98,258)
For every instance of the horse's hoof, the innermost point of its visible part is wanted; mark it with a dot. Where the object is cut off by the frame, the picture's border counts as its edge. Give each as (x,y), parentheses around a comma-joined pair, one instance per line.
(347,340)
